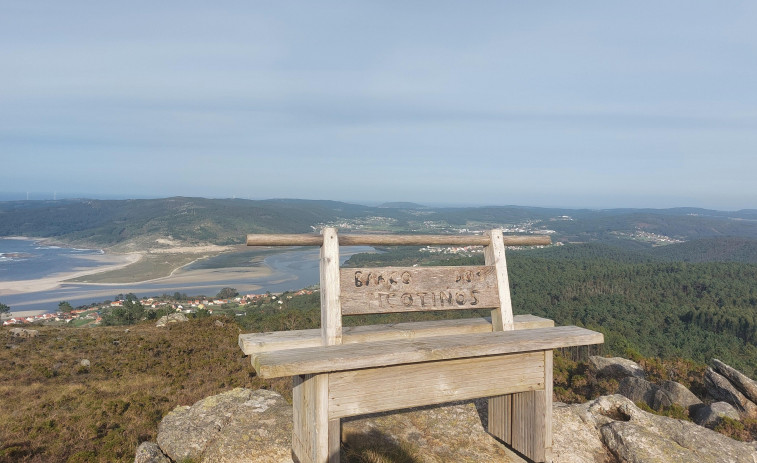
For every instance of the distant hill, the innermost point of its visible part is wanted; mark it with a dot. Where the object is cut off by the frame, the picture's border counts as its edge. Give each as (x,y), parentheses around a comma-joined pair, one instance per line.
(595,251)
(191,220)
(402,205)
(726,249)
(613,226)
(138,223)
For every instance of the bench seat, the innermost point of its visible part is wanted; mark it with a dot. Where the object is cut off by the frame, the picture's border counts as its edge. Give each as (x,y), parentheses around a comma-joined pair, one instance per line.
(253,343)
(313,360)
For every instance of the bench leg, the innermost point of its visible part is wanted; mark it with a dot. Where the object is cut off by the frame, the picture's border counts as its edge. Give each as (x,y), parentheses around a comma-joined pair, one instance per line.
(523,420)
(500,418)
(311,430)
(335,439)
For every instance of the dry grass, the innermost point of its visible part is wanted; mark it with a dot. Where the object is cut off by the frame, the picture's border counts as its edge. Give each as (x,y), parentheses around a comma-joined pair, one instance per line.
(56,410)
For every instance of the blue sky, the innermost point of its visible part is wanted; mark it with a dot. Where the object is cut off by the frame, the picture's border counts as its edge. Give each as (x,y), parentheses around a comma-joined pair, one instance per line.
(571,104)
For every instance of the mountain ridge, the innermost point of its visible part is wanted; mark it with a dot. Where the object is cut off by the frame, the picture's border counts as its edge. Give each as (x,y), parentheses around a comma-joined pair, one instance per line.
(195,220)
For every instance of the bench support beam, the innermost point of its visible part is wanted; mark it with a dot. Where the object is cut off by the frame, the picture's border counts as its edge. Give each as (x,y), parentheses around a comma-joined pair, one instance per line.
(373,390)
(494,254)
(315,438)
(321,400)
(331,332)
(310,407)
(523,420)
(331,310)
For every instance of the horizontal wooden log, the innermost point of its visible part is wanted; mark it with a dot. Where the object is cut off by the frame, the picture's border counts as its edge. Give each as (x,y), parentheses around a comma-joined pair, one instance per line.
(397,352)
(359,392)
(414,289)
(395,240)
(253,343)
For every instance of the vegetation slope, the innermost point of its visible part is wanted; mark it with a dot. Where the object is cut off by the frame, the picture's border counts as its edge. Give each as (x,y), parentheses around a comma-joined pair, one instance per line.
(139,222)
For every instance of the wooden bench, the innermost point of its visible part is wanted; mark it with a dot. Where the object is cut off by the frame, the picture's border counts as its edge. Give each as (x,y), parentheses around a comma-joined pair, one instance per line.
(341,372)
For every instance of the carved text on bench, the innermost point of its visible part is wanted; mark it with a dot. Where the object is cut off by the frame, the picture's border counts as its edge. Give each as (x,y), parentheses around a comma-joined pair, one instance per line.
(398,289)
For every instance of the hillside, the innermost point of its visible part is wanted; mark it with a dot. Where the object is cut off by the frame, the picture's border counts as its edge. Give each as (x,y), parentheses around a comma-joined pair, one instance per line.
(138,224)
(189,220)
(55,409)
(726,249)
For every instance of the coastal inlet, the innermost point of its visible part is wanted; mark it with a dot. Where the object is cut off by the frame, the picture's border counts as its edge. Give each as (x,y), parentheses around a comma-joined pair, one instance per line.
(246,270)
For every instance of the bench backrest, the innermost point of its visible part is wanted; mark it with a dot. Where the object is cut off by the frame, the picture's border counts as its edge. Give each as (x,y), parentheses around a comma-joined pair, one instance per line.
(353,291)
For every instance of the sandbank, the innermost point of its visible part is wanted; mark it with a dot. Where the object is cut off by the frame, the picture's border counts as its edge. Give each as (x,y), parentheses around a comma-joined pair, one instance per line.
(192,277)
(163,266)
(109,262)
(210,279)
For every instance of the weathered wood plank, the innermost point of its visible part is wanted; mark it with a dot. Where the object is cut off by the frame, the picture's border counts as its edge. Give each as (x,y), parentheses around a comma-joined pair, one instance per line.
(528,424)
(500,417)
(310,408)
(532,418)
(412,289)
(328,432)
(384,353)
(494,255)
(522,412)
(331,312)
(373,390)
(547,406)
(500,407)
(395,240)
(301,445)
(335,440)
(252,343)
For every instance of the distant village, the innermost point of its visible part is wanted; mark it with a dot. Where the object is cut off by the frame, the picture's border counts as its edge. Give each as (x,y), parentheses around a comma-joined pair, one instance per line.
(92,315)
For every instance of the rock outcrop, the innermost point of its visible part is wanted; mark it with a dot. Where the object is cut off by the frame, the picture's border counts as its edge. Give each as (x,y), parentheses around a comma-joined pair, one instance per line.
(171,318)
(149,452)
(633,435)
(229,427)
(679,394)
(719,388)
(429,434)
(643,437)
(23,333)
(576,437)
(616,367)
(255,426)
(657,396)
(710,415)
(744,384)
(641,390)
(725,386)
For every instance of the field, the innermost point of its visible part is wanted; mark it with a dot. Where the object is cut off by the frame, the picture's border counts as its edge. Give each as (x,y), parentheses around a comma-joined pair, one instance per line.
(54,409)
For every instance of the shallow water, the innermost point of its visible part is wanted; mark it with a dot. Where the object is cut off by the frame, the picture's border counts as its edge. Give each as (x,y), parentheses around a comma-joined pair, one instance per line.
(22,259)
(291,269)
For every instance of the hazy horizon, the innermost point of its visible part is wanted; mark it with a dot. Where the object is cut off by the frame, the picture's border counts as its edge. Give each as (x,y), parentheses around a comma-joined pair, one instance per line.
(10,196)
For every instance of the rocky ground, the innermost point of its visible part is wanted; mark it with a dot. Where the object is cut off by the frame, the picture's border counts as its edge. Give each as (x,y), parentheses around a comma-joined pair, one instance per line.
(246,425)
